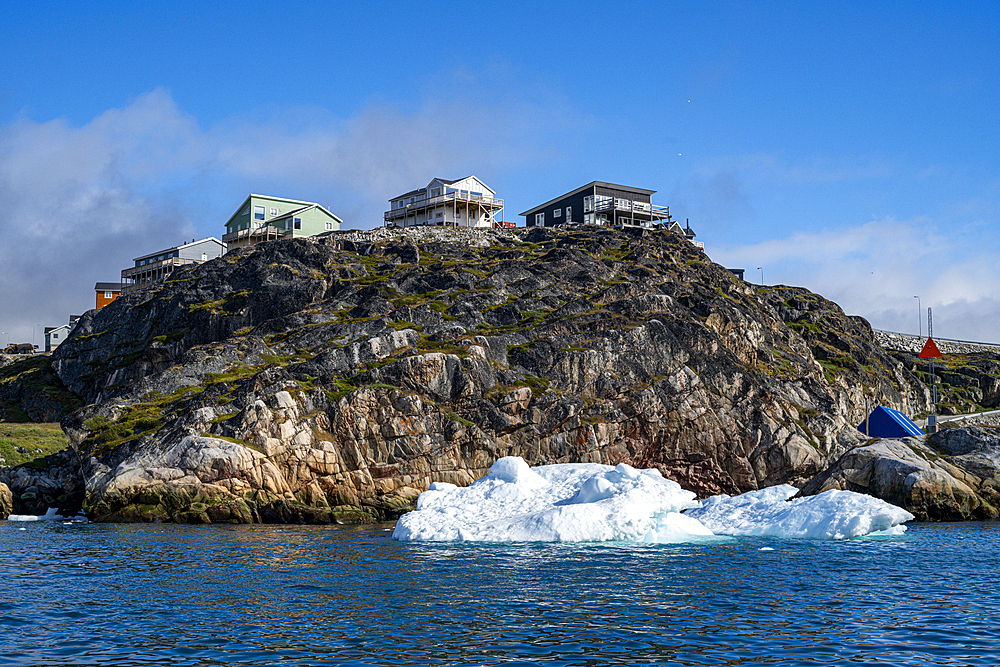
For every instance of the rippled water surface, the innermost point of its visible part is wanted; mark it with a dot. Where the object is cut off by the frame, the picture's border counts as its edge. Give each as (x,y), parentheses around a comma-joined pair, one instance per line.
(269,595)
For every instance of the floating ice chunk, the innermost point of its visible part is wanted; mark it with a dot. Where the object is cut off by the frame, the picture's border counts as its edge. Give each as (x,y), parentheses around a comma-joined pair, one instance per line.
(831,515)
(677,527)
(589,502)
(52,514)
(574,502)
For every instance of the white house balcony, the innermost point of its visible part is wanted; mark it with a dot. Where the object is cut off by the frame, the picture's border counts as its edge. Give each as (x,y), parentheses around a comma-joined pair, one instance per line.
(459,199)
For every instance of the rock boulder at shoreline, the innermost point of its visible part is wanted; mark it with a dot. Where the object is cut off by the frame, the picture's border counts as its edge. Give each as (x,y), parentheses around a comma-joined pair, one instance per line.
(953,475)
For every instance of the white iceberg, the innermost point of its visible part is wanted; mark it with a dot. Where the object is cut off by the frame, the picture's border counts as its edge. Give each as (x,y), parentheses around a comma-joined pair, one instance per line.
(591,502)
(571,502)
(831,515)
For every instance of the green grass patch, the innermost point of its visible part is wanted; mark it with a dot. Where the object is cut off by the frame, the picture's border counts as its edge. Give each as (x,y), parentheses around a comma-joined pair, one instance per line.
(37,441)
(455,417)
(171,337)
(211,306)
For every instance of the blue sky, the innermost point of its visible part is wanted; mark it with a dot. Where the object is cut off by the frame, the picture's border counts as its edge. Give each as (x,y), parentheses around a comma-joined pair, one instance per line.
(849,148)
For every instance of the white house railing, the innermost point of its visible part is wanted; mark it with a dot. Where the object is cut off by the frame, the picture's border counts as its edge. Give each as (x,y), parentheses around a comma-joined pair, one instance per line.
(422,203)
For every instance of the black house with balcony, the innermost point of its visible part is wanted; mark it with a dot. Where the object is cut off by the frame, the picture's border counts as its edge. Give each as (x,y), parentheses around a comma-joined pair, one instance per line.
(600,203)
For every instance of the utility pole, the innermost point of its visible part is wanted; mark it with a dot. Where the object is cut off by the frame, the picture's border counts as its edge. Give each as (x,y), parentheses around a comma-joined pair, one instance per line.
(920,329)
(932,417)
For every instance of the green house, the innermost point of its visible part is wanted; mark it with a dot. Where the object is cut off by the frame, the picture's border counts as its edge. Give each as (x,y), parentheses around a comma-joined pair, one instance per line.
(261,218)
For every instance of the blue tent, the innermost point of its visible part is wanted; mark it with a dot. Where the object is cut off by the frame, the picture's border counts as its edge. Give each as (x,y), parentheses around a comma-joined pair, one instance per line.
(885,422)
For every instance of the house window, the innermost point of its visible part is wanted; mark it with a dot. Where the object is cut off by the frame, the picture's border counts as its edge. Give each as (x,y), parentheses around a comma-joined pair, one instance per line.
(588,203)
(274,211)
(569,214)
(329,226)
(108,295)
(245,211)
(588,218)
(258,212)
(557,213)
(539,220)
(298,223)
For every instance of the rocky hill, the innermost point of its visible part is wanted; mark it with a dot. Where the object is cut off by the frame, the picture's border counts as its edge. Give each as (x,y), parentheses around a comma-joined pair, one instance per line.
(336,377)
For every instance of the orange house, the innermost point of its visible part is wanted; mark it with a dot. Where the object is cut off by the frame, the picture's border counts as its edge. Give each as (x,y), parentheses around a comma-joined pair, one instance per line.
(106,293)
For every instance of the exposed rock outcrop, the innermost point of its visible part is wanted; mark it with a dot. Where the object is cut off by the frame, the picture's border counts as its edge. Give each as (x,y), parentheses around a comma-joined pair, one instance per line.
(334,379)
(953,475)
(6,501)
(31,392)
(52,481)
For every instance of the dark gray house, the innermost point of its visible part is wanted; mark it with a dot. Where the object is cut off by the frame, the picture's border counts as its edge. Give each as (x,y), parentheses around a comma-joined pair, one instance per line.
(602,204)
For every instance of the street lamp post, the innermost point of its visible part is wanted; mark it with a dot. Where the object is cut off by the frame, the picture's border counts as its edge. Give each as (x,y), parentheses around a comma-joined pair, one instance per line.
(761,275)
(920,324)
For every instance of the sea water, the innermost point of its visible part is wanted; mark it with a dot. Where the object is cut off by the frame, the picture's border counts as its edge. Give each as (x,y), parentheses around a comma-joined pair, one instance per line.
(95,594)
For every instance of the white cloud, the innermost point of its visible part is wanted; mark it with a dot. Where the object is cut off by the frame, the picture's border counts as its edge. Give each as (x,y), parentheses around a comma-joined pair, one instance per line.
(78,203)
(875,270)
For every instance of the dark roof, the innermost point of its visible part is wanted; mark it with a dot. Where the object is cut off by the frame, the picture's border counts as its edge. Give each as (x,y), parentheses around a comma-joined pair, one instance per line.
(181,246)
(407,194)
(424,189)
(592,184)
(108,287)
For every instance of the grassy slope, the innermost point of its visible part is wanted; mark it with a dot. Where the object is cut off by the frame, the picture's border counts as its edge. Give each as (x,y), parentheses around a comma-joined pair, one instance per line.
(48,438)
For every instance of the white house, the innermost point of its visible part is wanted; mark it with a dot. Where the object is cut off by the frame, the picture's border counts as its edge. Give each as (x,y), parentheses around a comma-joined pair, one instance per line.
(54,336)
(467,202)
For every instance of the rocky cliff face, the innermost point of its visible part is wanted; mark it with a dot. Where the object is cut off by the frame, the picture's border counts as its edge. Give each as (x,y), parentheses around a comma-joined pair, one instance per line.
(335,378)
(952,475)
(30,391)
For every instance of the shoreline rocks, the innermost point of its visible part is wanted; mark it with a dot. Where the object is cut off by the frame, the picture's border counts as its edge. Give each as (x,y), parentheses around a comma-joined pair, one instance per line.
(953,475)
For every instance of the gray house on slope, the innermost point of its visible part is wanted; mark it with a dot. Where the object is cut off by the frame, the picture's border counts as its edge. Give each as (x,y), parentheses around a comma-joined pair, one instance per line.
(150,268)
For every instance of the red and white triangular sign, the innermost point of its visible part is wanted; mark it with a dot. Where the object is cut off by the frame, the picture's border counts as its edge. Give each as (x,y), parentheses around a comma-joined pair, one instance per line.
(930,349)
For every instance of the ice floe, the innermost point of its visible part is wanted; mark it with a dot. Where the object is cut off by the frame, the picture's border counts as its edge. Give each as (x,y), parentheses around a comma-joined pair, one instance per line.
(831,515)
(573,502)
(591,502)
(52,514)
